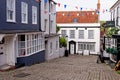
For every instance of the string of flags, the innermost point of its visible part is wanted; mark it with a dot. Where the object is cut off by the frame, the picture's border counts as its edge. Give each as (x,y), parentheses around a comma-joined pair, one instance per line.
(77,7)
(81,8)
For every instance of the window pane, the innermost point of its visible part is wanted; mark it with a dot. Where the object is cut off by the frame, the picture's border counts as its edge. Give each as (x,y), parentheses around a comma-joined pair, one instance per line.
(10,10)
(90,34)
(72,33)
(63,32)
(34,15)
(81,34)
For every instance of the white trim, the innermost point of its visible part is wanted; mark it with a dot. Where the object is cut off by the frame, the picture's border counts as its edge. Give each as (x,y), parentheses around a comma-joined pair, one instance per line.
(33,43)
(79,25)
(11,8)
(34,15)
(24,10)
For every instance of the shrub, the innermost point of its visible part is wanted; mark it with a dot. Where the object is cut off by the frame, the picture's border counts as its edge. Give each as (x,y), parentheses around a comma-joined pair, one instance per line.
(63,42)
(114,51)
(108,50)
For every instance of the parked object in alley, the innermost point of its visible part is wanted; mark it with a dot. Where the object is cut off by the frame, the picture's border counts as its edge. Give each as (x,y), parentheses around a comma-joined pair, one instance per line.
(117,66)
(66,53)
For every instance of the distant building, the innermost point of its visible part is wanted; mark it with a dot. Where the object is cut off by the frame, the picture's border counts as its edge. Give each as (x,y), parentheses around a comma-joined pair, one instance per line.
(115,13)
(21,38)
(115,16)
(48,25)
(81,29)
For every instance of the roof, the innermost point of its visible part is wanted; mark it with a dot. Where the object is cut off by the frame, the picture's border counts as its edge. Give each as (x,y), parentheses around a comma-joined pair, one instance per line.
(114,5)
(17,31)
(78,16)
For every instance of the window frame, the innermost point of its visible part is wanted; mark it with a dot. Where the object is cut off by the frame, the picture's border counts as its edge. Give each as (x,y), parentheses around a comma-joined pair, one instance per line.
(13,7)
(63,33)
(24,7)
(34,15)
(90,34)
(72,35)
(81,34)
(33,43)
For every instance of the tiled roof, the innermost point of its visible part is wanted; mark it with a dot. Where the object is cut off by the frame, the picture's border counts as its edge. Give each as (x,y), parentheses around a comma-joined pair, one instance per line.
(77,16)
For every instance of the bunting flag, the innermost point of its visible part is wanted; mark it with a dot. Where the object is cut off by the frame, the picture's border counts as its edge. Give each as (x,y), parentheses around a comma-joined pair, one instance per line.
(65,6)
(106,10)
(45,1)
(58,4)
(103,11)
(81,8)
(45,12)
(76,7)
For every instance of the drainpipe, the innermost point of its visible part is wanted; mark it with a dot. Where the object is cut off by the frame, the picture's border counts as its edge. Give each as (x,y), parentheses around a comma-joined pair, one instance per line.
(39,15)
(49,17)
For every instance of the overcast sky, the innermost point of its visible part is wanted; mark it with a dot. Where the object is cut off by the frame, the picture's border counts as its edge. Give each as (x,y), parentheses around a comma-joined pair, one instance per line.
(86,5)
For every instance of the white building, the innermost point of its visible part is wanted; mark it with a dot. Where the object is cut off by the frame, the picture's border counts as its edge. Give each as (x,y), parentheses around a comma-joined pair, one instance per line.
(81,29)
(48,23)
(115,16)
(82,38)
(115,13)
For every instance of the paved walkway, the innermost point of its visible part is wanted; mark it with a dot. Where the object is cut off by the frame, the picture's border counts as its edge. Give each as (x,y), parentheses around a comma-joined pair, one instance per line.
(74,67)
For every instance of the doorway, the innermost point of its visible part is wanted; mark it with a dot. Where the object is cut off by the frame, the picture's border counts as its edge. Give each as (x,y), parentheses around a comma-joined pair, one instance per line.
(72,47)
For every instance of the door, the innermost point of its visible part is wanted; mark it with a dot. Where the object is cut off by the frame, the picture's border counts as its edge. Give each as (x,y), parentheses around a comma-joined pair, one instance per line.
(86,49)
(72,49)
(2,54)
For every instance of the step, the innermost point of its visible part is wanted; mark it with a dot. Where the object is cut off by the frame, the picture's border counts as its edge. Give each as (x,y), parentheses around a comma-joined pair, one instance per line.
(6,67)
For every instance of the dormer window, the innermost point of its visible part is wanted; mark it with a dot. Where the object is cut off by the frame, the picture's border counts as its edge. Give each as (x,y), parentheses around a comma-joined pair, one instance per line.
(75,20)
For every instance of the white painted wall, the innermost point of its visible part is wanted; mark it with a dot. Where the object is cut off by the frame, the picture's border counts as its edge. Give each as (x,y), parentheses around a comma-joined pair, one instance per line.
(55,52)
(61,52)
(10,50)
(114,10)
(45,16)
(96,39)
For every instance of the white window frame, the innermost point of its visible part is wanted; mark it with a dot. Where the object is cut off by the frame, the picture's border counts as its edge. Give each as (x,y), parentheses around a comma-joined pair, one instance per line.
(81,34)
(32,44)
(24,12)
(72,34)
(64,33)
(90,34)
(34,15)
(80,46)
(10,10)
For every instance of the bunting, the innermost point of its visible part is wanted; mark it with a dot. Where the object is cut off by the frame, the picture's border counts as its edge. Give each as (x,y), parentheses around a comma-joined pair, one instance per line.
(45,1)
(65,6)
(82,8)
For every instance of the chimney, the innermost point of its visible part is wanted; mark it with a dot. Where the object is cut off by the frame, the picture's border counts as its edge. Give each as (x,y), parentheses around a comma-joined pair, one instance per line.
(98,5)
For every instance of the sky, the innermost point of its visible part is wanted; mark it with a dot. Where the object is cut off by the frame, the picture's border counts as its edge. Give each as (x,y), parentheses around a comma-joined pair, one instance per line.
(86,5)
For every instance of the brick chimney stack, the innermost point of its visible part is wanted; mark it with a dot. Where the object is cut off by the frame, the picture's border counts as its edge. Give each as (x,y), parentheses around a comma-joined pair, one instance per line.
(98,5)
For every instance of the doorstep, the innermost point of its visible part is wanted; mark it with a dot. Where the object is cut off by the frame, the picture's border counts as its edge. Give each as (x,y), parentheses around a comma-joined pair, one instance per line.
(6,67)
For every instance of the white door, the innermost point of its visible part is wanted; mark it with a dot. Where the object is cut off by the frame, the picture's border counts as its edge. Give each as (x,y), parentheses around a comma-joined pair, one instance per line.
(2,54)
(72,49)
(86,49)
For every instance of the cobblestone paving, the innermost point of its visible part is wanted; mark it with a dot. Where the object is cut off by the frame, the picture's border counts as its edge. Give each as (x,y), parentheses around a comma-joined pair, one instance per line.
(74,67)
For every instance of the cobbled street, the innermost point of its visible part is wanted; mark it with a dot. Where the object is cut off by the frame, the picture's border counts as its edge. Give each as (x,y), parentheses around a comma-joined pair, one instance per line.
(74,67)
